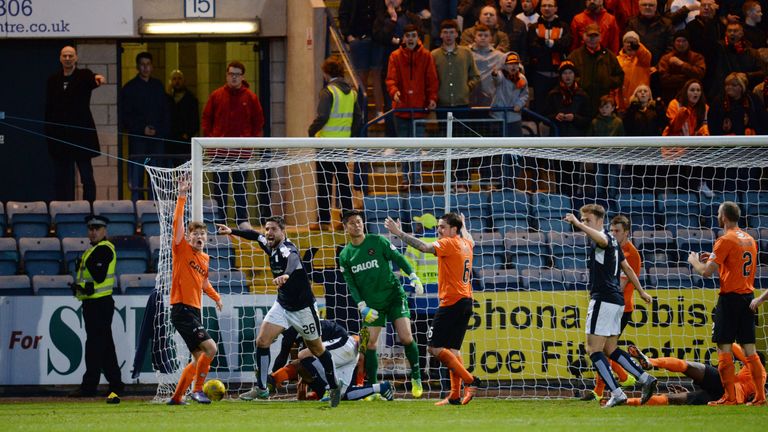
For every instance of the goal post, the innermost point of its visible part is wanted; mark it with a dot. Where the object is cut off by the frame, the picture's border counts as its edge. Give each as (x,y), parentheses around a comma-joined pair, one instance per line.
(526,335)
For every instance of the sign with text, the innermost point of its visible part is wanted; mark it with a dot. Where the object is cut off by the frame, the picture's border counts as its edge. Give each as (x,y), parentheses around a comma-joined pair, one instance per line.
(199,8)
(65,19)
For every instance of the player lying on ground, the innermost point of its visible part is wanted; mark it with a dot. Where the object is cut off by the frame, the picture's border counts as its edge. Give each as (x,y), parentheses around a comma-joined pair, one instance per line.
(708,386)
(295,306)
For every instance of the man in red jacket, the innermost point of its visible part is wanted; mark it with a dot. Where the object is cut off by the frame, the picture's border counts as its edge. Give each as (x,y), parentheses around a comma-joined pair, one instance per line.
(233,110)
(595,13)
(411,83)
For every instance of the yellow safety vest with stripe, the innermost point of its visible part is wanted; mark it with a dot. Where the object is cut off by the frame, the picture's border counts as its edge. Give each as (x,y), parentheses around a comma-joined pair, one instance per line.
(100,289)
(424,264)
(339,124)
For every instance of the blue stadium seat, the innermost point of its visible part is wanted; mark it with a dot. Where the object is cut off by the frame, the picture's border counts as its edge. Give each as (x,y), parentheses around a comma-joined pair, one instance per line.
(557,225)
(525,250)
(28,219)
(41,255)
(670,277)
(69,218)
(3,221)
(418,204)
(569,250)
(475,206)
(489,251)
(755,203)
(149,217)
(509,211)
(73,248)
(542,279)
(576,279)
(498,279)
(16,285)
(681,211)
(695,240)
(9,256)
(222,254)
(154,252)
(640,208)
(376,208)
(757,221)
(550,206)
(121,214)
(57,285)
(137,284)
(132,254)
(761,277)
(229,282)
(709,206)
(211,211)
(653,244)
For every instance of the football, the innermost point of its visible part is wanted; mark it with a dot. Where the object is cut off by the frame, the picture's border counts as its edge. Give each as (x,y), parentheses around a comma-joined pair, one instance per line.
(214,389)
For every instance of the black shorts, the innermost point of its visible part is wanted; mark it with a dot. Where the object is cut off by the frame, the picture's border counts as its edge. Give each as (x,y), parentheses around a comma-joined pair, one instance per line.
(450,325)
(186,319)
(625,320)
(734,320)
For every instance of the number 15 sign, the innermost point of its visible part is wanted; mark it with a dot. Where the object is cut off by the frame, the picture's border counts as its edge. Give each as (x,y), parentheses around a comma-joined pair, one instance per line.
(199,8)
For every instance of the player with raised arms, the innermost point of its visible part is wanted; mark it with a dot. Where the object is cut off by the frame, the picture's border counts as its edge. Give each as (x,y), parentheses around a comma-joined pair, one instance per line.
(188,282)
(294,307)
(606,304)
(365,263)
(453,249)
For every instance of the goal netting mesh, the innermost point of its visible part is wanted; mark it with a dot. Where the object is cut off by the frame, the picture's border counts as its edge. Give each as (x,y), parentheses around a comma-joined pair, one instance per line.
(526,336)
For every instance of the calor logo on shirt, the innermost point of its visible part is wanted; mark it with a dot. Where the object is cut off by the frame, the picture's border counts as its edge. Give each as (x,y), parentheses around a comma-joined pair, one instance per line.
(365,266)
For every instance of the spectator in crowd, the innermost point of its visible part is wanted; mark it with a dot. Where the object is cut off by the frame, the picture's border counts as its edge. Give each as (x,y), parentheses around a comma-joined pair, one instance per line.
(754,32)
(606,123)
(487,59)
(686,116)
(146,118)
(528,15)
(411,83)
(233,110)
(389,25)
(338,116)
(644,117)
(440,10)
(68,103)
(549,42)
(623,11)
(185,122)
(635,61)
(704,34)
(601,73)
(568,104)
(500,40)
(595,13)
(513,27)
(654,29)
(469,11)
(735,54)
(682,12)
(356,24)
(511,92)
(93,286)
(678,66)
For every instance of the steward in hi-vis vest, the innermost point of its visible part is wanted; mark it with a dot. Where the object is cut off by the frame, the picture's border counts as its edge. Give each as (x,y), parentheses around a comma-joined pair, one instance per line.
(95,279)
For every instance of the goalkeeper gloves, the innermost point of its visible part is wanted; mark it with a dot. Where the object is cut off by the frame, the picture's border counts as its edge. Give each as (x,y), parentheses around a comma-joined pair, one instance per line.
(418,287)
(368,314)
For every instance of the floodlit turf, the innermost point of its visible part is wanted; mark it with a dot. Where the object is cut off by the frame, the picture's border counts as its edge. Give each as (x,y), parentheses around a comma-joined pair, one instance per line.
(407,415)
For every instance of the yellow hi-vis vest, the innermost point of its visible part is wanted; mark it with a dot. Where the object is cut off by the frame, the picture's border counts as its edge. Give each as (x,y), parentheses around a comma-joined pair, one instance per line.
(424,264)
(339,124)
(103,288)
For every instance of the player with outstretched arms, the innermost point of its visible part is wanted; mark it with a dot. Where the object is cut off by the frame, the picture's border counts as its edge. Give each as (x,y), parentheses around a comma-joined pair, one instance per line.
(365,263)
(606,304)
(295,306)
(188,282)
(453,249)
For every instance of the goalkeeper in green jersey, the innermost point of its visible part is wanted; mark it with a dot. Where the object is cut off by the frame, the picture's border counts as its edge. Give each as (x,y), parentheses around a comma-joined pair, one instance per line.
(365,263)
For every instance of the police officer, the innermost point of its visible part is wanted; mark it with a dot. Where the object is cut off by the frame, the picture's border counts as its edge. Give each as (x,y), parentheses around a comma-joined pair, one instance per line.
(93,286)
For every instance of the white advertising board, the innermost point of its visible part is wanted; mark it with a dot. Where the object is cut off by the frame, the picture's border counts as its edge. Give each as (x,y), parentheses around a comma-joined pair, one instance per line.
(65,19)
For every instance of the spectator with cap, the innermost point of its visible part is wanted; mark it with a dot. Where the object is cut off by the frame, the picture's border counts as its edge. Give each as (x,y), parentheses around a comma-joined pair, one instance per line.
(601,73)
(549,42)
(635,61)
(595,14)
(678,66)
(93,286)
(511,93)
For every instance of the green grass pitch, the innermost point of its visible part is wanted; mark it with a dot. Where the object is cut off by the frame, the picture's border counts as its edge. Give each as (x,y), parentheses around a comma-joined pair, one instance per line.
(406,415)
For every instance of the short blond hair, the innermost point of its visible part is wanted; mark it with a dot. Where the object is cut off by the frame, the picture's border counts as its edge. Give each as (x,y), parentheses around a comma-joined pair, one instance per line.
(595,209)
(195,225)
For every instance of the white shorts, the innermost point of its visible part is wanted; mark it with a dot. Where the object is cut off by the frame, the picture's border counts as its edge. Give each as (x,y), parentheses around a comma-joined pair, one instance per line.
(604,319)
(306,321)
(344,360)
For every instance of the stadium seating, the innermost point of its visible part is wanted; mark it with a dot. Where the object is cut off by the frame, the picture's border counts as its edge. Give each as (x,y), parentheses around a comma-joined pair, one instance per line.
(419,204)
(3,223)
(28,219)
(73,248)
(755,203)
(52,285)
(653,246)
(9,256)
(548,211)
(121,214)
(41,255)
(640,208)
(670,277)
(576,279)
(569,250)
(148,217)
(542,279)
(498,279)
(15,285)
(229,281)
(377,208)
(476,207)
(761,277)
(222,254)
(132,254)
(694,240)
(509,211)
(680,210)
(154,252)
(488,252)
(137,284)
(709,206)
(69,218)
(525,250)
(211,211)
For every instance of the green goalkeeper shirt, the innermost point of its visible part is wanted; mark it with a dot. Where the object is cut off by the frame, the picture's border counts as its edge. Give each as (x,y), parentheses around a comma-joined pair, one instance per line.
(368,272)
